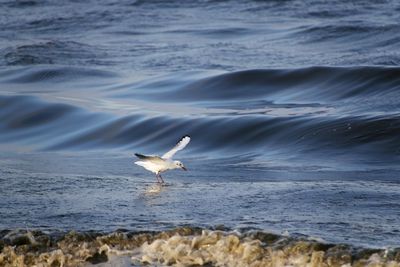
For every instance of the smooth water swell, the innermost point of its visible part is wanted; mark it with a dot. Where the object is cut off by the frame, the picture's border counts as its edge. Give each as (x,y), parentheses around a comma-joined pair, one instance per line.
(347,115)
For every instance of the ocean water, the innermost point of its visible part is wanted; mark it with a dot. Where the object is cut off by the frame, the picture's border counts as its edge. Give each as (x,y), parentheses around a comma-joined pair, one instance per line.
(293,108)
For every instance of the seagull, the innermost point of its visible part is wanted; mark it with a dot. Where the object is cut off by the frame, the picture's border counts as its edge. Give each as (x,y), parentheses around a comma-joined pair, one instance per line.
(164,163)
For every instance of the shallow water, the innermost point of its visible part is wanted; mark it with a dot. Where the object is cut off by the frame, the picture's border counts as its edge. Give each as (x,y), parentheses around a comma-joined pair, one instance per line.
(81,191)
(292,108)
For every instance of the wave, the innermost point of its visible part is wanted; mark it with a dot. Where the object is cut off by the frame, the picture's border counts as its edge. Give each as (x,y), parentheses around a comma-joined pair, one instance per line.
(184,246)
(317,84)
(61,125)
(53,52)
(311,112)
(51,74)
(348,32)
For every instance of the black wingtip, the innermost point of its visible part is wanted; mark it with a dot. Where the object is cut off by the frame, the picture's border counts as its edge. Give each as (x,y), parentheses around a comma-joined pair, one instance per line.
(139,155)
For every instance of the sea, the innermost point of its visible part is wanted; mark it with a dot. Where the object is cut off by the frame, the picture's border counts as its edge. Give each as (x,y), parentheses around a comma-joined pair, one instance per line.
(293,108)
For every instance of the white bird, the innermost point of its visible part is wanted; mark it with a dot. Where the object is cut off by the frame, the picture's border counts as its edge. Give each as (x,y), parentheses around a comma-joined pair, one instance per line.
(164,163)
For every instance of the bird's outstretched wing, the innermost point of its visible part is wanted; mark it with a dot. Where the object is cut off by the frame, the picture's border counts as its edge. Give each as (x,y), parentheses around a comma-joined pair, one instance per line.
(179,146)
(153,159)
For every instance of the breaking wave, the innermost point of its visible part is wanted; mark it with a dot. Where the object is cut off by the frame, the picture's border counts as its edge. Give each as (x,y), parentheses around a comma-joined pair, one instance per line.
(183,247)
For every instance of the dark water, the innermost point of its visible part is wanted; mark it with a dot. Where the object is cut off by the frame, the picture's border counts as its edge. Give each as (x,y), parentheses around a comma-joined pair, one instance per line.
(293,108)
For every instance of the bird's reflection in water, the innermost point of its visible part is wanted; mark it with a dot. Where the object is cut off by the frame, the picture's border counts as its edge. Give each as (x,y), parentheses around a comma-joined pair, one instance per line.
(155,189)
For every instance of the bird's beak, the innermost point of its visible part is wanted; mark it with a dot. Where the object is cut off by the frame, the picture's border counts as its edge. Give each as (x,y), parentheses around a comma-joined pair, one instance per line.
(183,168)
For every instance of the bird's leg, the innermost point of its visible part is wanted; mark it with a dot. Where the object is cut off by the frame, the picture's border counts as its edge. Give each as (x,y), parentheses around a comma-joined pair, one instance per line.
(158,180)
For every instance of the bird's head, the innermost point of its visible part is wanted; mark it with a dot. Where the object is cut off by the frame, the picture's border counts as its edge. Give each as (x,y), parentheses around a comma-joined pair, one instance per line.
(179,165)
